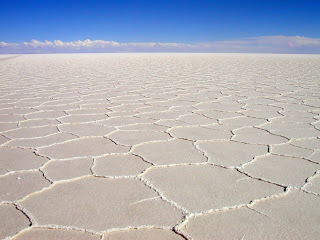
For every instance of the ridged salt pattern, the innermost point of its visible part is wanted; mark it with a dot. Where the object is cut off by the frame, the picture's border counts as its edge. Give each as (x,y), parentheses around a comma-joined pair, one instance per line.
(160,146)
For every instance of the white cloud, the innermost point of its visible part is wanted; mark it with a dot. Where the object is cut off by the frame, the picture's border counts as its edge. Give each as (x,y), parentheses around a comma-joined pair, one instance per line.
(5,44)
(264,44)
(76,44)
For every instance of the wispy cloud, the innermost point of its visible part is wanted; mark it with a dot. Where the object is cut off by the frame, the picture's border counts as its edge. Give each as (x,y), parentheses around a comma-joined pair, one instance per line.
(264,44)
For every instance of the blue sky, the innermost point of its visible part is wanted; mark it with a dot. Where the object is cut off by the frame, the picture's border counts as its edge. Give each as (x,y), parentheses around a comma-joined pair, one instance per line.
(182,22)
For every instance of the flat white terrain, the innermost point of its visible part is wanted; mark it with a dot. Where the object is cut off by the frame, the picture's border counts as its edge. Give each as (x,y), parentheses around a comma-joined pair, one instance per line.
(160,146)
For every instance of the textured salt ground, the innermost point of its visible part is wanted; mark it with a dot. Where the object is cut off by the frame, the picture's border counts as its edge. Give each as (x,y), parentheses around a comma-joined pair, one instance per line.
(159,146)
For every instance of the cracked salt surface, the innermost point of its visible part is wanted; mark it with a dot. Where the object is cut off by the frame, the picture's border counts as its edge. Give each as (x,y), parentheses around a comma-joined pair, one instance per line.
(99,146)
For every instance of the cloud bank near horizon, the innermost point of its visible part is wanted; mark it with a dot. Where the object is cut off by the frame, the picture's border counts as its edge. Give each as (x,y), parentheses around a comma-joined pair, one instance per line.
(264,44)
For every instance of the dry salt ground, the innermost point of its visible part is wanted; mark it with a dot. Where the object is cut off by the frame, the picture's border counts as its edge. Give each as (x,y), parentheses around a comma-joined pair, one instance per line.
(160,146)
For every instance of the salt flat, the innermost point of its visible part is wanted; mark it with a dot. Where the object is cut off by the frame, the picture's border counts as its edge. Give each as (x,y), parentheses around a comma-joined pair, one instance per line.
(160,146)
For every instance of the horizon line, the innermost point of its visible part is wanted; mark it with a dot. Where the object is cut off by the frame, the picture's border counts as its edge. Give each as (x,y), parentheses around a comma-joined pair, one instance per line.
(264,44)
